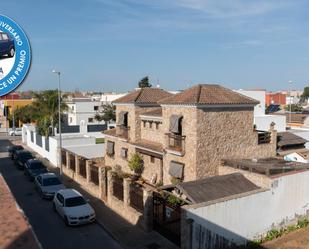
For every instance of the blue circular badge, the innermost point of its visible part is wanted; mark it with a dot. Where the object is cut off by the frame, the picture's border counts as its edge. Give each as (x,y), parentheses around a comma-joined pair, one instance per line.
(15,55)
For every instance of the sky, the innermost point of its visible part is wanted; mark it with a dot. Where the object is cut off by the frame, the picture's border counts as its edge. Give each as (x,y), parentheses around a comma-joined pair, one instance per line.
(109,45)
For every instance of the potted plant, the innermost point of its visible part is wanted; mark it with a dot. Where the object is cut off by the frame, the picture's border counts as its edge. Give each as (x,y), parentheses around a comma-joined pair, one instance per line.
(136,164)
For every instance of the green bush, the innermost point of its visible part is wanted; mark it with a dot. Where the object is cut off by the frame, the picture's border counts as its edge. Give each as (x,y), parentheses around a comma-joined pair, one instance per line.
(136,163)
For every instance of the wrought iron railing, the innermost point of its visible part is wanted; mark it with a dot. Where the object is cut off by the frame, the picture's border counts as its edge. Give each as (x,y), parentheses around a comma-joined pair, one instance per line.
(176,142)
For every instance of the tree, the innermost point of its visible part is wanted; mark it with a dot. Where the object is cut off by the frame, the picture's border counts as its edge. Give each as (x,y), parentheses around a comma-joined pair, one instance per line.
(304,97)
(144,82)
(294,108)
(46,104)
(107,114)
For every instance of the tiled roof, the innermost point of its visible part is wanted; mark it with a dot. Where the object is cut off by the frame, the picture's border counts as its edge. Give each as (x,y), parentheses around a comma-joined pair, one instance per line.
(157,112)
(145,95)
(216,187)
(208,94)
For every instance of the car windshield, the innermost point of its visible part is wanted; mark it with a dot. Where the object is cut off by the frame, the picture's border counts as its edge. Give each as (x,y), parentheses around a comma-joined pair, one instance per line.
(75,201)
(36,165)
(51,181)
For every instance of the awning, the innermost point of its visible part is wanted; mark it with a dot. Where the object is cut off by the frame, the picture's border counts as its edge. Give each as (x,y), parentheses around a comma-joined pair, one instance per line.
(110,148)
(176,169)
(122,117)
(175,123)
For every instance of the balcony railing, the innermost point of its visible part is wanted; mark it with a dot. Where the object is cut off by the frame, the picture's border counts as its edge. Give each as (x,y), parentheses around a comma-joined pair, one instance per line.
(176,142)
(264,137)
(122,131)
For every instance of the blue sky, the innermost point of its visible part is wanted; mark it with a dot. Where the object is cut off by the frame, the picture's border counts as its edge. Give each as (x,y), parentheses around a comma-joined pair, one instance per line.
(106,45)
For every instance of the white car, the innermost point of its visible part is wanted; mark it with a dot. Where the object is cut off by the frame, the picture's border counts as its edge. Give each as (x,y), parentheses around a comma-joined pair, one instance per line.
(73,207)
(16,132)
(47,185)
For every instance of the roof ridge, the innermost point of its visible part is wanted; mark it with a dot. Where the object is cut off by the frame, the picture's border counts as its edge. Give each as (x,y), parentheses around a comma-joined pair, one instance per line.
(199,93)
(139,94)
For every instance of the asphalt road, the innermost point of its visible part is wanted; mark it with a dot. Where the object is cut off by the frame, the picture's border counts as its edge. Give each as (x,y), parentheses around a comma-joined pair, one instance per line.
(47,225)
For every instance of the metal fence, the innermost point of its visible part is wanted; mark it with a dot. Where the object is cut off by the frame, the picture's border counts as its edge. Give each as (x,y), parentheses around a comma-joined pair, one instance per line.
(118,188)
(96,127)
(82,168)
(94,175)
(136,197)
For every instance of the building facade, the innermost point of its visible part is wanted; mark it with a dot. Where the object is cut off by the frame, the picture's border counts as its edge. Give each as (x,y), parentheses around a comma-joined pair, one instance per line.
(183,137)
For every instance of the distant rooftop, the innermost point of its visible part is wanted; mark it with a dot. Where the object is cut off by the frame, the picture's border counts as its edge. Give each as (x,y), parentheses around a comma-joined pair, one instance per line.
(266,166)
(208,94)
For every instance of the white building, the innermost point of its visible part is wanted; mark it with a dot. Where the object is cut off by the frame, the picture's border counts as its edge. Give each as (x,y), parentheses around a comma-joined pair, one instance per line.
(108,98)
(262,120)
(81,111)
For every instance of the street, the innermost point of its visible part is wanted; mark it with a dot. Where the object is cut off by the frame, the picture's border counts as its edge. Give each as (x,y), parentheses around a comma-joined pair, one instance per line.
(47,225)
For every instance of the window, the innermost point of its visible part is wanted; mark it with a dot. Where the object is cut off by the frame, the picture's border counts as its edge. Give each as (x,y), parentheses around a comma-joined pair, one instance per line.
(157,126)
(150,125)
(72,107)
(96,108)
(110,148)
(152,159)
(124,153)
(144,124)
(71,119)
(60,198)
(90,120)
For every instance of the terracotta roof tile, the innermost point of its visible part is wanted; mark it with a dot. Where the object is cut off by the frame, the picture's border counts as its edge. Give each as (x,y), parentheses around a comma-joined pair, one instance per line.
(206,94)
(145,95)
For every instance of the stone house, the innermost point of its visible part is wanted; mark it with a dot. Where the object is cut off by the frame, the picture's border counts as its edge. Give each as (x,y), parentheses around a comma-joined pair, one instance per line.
(183,137)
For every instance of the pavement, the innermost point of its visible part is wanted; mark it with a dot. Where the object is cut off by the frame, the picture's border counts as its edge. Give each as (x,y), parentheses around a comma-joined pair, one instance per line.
(47,225)
(127,235)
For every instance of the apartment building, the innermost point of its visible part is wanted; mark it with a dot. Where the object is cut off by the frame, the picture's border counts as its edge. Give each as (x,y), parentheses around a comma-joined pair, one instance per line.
(82,111)
(184,137)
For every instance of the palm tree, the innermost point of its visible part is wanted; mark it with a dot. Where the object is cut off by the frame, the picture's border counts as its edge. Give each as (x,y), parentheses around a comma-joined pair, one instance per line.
(46,103)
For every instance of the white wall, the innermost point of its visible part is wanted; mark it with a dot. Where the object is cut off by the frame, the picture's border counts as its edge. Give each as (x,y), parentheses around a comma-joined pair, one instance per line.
(250,216)
(263,122)
(258,95)
(68,140)
(82,112)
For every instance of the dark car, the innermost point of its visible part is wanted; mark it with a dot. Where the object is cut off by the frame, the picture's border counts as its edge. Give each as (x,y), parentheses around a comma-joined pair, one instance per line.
(22,156)
(33,168)
(7,46)
(12,150)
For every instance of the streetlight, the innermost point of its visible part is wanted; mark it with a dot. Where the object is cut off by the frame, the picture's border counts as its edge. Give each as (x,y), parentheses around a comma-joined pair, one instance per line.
(290,115)
(59,120)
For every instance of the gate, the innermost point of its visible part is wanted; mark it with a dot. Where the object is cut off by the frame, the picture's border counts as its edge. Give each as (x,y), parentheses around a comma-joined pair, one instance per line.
(166,218)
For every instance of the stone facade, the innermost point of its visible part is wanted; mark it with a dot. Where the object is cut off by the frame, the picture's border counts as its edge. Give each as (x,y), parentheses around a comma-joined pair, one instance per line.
(227,133)
(209,135)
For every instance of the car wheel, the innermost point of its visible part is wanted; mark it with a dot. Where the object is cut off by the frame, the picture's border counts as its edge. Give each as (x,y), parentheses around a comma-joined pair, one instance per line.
(66,221)
(11,54)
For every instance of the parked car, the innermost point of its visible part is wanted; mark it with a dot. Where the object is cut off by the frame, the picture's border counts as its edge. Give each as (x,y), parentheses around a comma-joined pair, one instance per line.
(13,149)
(47,185)
(16,132)
(73,207)
(22,156)
(33,168)
(7,46)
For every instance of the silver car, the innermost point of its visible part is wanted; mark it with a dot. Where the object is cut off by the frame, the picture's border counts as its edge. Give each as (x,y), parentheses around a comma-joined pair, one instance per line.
(47,185)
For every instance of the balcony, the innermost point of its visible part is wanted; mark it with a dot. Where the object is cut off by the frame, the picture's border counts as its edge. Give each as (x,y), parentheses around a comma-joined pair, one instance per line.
(122,131)
(176,143)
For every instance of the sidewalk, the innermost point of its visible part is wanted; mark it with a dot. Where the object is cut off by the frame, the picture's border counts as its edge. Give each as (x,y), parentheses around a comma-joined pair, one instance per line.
(15,230)
(129,236)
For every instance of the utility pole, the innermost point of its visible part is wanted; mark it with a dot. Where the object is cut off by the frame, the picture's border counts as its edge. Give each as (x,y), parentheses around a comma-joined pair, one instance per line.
(59,121)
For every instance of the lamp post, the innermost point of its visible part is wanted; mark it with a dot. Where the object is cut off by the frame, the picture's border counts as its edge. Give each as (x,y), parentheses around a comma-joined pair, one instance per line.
(59,120)
(290,115)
